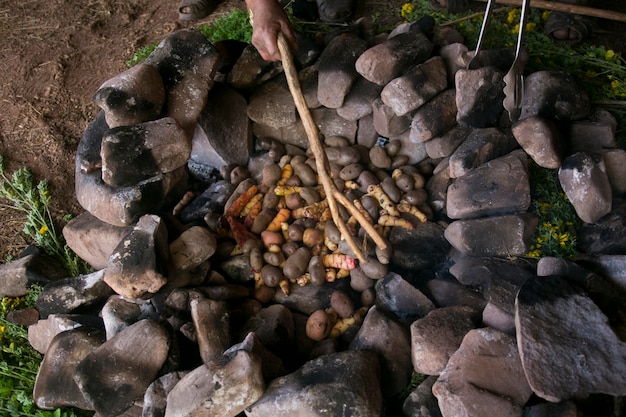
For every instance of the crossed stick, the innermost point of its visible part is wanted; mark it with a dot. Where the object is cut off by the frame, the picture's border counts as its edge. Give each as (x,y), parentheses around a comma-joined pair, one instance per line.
(321,161)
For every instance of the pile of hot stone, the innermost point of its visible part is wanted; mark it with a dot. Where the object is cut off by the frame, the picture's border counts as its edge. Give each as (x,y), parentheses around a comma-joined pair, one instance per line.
(222,287)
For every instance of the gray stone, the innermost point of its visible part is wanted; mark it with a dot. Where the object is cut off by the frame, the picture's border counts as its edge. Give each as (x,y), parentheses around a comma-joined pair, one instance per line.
(331,124)
(155,398)
(134,96)
(54,385)
(272,365)
(17,276)
(480,146)
(453,56)
(443,145)
(500,236)
(211,319)
(119,313)
(131,154)
(112,389)
(358,101)
(390,340)
(566,346)
(251,70)
(479,96)
(293,134)
(386,122)
(224,132)
(420,248)
(272,104)
(92,239)
(119,206)
(396,295)
(554,95)
(308,82)
(421,402)
(68,294)
(211,200)
(192,248)
(599,278)
(584,180)
(437,187)
(366,134)
(561,409)
(218,389)
(497,187)
(237,269)
(438,335)
(605,235)
(541,139)
(273,326)
(135,268)
(413,150)
(613,267)
(499,281)
(484,377)
(383,62)
(337,70)
(445,291)
(416,86)
(615,163)
(588,136)
(187,62)
(344,383)
(435,117)
(41,334)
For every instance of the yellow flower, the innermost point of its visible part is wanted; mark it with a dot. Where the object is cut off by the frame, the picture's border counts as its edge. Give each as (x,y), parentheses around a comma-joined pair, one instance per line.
(545,15)
(563,239)
(591,74)
(530,26)
(609,55)
(515,28)
(614,84)
(43,230)
(407,9)
(513,16)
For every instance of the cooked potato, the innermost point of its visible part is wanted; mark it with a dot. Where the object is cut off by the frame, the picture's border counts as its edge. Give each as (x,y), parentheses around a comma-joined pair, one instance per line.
(317,272)
(297,263)
(351,172)
(274,258)
(373,269)
(312,237)
(295,232)
(342,304)
(294,201)
(318,325)
(379,157)
(393,147)
(271,275)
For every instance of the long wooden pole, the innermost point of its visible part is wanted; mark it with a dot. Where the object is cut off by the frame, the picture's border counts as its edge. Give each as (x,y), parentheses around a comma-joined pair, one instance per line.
(568,8)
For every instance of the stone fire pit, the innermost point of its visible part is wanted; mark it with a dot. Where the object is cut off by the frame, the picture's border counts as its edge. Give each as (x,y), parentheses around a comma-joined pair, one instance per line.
(181,319)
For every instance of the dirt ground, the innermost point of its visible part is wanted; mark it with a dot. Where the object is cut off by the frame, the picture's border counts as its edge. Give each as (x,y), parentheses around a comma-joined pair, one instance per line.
(54,54)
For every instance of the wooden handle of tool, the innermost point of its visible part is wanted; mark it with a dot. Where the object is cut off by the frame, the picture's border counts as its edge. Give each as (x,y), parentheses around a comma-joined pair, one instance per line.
(568,8)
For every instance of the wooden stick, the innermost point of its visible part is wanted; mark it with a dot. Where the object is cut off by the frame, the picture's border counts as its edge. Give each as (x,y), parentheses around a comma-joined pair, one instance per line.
(568,8)
(321,161)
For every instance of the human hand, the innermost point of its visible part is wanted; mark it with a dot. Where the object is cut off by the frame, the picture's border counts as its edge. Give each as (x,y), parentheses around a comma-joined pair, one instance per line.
(268,20)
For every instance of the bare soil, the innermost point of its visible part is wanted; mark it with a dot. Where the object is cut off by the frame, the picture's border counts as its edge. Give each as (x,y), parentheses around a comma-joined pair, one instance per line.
(54,54)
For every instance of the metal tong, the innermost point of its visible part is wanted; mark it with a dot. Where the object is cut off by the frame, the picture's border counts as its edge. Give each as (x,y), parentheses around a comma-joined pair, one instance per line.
(514,79)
